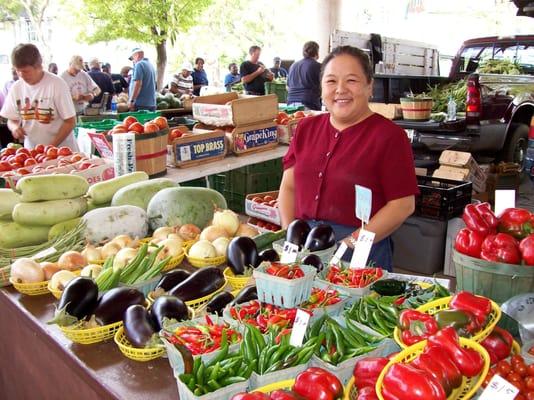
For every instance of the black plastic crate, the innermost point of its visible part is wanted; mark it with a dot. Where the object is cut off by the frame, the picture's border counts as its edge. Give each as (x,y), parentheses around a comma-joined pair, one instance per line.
(235,201)
(440,198)
(175,121)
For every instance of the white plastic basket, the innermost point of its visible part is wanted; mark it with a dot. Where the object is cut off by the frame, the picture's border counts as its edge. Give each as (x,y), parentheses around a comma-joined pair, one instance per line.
(325,255)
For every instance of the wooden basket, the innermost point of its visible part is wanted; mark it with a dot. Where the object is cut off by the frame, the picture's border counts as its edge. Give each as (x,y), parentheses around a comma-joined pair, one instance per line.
(151,152)
(416,109)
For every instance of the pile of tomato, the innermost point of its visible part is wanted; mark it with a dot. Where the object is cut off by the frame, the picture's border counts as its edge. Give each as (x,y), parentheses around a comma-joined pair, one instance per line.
(518,373)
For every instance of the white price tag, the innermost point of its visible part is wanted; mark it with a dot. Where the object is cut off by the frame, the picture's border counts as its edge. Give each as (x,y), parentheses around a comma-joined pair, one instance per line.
(364,198)
(362,248)
(299,328)
(44,253)
(185,153)
(339,253)
(499,389)
(289,255)
(504,199)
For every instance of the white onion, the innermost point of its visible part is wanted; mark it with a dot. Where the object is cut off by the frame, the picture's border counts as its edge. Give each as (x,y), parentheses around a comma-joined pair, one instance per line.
(61,278)
(109,250)
(92,253)
(226,219)
(26,270)
(221,244)
(162,232)
(123,241)
(72,260)
(176,236)
(49,269)
(202,249)
(189,232)
(213,232)
(171,247)
(123,257)
(91,270)
(246,230)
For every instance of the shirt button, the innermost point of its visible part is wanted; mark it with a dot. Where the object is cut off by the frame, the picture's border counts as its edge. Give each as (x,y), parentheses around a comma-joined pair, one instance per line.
(336,135)
(328,154)
(316,197)
(320,174)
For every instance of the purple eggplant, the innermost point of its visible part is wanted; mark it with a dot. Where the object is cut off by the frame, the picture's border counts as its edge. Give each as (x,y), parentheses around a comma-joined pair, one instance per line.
(78,301)
(137,326)
(297,232)
(167,307)
(113,304)
(320,237)
(269,255)
(241,254)
(218,302)
(246,294)
(314,261)
(173,278)
(201,283)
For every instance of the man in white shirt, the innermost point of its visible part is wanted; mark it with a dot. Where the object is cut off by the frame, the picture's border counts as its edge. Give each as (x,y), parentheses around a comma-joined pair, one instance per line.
(82,88)
(38,107)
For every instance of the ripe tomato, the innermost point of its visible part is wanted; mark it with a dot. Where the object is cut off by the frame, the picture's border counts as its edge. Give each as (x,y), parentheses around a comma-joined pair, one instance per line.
(23,150)
(281,115)
(529,382)
(30,161)
(33,153)
(129,120)
(85,165)
(273,203)
(23,171)
(161,122)
(4,166)
(151,127)
(267,198)
(299,114)
(64,151)
(504,367)
(284,121)
(119,130)
(136,127)
(530,369)
(48,147)
(521,369)
(20,158)
(40,158)
(39,148)
(528,396)
(257,199)
(9,151)
(52,153)
(76,157)
(516,359)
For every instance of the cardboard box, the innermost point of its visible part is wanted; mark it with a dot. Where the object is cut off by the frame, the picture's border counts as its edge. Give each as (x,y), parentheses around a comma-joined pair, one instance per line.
(197,148)
(285,132)
(459,165)
(253,138)
(261,210)
(233,109)
(256,222)
(389,111)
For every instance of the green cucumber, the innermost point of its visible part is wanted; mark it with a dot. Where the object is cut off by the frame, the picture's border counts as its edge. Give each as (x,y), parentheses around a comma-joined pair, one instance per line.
(8,200)
(103,192)
(51,187)
(48,213)
(266,239)
(140,193)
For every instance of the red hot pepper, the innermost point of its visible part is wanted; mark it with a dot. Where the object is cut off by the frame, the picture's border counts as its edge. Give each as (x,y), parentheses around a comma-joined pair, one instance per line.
(468,361)
(469,242)
(517,222)
(480,218)
(501,248)
(318,384)
(479,306)
(367,370)
(251,396)
(498,344)
(416,326)
(526,247)
(404,381)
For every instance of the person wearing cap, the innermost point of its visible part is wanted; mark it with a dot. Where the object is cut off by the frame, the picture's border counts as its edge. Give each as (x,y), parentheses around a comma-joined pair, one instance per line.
(142,90)
(103,81)
(184,80)
(82,88)
(52,68)
(278,71)
(254,74)
(200,78)
(38,107)
(232,78)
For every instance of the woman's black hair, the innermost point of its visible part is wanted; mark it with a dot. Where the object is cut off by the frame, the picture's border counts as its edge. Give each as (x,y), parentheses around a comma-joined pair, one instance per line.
(355,53)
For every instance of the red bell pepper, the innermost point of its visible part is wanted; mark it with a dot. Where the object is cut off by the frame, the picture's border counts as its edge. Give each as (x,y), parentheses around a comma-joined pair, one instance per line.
(498,344)
(526,247)
(479,306)
(517,222)
(251,396)
(428,364)
(480,218)
(449,368)
(469,242)
(367,393)
(318,384)
(501,248)
(285,395)
(416,326)
(367,370)
(468,361)
(404,381)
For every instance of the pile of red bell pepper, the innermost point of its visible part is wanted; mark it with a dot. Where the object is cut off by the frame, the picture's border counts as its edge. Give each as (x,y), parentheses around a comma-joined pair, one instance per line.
(202,338)
(286,271)
(366,373)
(312,384)
(263,316)
(434,373)
(508,238)
(353,278)
(498,344)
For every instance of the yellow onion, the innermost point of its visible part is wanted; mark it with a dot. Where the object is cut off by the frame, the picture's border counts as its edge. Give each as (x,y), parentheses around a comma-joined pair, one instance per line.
(213,232)
(226,219)
(72,260)
(189,232)
(49,269)
(26,270)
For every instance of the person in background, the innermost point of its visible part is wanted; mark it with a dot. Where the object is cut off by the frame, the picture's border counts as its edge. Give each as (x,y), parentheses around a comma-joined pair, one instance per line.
(254,74)
(7,86)
(332,152)
(126,73)
(103,81)
(38,107)
(82,88)
(232,78)
(304,79)
(278,71)
(119,83)
(52,68)
(200,78)
(184,80)
(142,91)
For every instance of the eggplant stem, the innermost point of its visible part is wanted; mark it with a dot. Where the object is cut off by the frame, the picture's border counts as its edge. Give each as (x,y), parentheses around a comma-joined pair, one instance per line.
(62,318)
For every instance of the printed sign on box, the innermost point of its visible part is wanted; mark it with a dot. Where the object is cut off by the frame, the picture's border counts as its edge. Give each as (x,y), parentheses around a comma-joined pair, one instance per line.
(246,139)
(199,150)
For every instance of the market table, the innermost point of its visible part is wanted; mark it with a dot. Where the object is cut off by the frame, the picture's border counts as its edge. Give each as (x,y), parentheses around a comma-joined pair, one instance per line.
(39,362)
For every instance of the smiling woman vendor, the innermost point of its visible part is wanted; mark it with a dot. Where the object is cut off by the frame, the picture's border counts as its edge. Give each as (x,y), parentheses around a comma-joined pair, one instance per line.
(331,153)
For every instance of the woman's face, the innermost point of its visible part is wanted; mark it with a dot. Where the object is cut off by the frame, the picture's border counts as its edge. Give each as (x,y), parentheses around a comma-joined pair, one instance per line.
(345,90)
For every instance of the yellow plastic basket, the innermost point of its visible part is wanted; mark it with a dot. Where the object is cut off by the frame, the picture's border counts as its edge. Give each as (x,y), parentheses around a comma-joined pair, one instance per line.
(135,353)
(204,262)
(4,276)
(30,289)
(443,304)
(91,335)
(287,384)
(174,262)
(195,304)
(465,391)
(55,293)
(237,282)
(351,392)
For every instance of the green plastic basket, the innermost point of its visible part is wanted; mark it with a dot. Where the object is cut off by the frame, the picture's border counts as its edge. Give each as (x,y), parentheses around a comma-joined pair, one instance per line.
(279,89)
(142,116)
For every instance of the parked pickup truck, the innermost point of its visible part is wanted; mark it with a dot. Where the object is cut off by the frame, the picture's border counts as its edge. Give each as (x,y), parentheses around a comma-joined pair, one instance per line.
(499,108)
